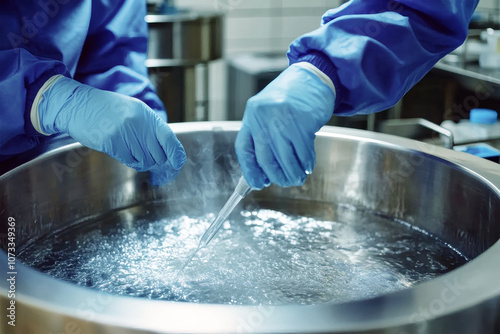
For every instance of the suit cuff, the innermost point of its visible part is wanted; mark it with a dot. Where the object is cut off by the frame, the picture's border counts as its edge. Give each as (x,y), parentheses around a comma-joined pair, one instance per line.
(324,64)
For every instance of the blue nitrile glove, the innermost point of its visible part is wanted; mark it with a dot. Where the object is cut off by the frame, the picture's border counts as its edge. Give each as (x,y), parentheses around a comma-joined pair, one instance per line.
(161,175)
(123,127)
(276,141)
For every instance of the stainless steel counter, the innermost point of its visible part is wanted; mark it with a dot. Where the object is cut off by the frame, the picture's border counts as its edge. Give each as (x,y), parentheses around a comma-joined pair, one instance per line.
(481,81)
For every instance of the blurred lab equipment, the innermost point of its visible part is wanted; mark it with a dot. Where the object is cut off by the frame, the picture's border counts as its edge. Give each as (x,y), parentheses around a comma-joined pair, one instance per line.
(466,132)
(490,55)
(247,75)
(182,42)
(481,150)
(418,129)
(482,125)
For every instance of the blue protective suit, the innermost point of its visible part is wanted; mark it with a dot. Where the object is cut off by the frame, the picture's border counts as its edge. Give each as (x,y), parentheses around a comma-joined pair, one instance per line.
(363,58)
(99,43)
(376,50)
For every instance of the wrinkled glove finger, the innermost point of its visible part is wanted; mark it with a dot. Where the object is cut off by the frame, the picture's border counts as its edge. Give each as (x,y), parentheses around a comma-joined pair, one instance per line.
(172,147)
(120,148)
(289,162)
(138,149)
(154,147)
(245,151)
(304,149)
(267,161)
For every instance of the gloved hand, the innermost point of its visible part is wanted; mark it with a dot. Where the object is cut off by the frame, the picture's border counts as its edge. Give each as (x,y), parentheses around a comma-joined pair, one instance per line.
(276,141)
(123,127)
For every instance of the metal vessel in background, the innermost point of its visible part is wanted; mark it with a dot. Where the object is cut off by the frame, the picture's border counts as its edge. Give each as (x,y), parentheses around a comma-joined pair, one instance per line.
(181,44)
(453,195)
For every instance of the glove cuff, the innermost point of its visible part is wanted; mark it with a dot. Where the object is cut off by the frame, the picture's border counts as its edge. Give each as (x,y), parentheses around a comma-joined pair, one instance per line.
(324,64)
(34,113)
(313,69)
(55,107)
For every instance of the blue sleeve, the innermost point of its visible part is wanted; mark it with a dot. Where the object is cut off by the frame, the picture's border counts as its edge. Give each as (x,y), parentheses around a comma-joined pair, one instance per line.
(21,76)
(375,51)
(114,54)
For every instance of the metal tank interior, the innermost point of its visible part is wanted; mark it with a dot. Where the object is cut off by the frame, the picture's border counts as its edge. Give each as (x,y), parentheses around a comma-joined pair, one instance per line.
(452,196)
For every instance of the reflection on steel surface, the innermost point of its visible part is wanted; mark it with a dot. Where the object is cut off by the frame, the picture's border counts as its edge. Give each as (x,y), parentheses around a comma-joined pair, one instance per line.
(451,194)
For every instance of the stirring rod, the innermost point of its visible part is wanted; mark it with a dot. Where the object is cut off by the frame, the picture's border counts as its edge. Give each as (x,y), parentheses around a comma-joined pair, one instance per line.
(242,189)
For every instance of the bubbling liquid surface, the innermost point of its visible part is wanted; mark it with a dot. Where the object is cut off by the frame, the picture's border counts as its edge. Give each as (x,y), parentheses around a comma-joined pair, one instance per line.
(261,256)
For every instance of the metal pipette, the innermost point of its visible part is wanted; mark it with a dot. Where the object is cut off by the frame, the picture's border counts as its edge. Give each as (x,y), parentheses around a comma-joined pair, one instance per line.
(242,189)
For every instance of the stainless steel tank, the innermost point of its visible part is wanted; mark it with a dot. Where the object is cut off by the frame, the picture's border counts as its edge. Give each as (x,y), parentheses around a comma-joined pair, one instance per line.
(453,195)
(180,46)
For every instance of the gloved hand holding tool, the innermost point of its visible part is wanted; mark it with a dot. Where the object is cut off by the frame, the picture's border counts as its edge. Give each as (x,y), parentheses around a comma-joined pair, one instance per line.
(276,141)
(123,127)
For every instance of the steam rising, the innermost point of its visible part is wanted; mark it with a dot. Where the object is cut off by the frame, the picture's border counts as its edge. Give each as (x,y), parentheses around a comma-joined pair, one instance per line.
(209,176)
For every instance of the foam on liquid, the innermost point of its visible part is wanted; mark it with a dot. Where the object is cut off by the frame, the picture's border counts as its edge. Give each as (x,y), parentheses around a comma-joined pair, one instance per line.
(260,256)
